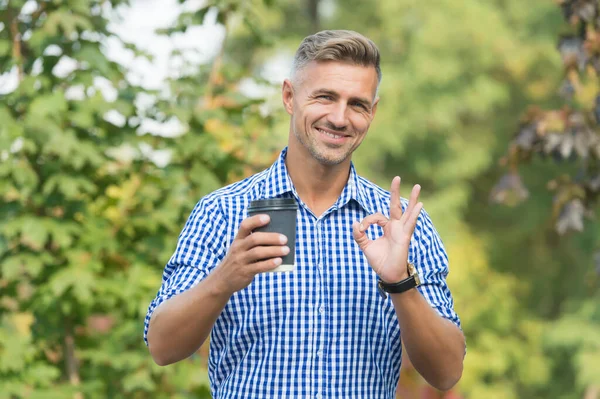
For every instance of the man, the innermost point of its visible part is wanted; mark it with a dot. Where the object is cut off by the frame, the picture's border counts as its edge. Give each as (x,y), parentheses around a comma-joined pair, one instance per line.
(323,330)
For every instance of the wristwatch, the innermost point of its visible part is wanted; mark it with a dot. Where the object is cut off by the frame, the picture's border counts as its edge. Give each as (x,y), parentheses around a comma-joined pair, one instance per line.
(411,281)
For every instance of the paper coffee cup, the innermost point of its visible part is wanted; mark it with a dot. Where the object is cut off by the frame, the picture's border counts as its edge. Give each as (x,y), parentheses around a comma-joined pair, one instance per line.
(283,213)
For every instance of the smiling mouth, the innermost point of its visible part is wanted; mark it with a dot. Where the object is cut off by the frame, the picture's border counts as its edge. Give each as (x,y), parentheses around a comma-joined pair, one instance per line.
(332,135)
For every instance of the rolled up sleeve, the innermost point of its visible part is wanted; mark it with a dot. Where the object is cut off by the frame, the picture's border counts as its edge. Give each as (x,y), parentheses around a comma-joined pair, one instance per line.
(432,265)
(201,246)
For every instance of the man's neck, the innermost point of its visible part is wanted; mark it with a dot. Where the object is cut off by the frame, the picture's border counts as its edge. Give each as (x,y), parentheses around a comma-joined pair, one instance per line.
(318,186)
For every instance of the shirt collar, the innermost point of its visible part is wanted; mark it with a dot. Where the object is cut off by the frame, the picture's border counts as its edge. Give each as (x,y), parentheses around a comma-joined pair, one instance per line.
(278,182)
(355,190)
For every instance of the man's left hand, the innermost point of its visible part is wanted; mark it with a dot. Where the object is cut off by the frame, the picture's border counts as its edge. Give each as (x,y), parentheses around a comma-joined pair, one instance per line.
(388,255)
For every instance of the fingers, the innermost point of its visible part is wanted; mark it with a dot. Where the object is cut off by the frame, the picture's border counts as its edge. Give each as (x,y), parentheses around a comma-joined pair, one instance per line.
(359,229)
(263,253)
(266,265)
(413,216)
(262,239)
(376,218)
(412,202)
(251,223)
(396,212)
(395,204)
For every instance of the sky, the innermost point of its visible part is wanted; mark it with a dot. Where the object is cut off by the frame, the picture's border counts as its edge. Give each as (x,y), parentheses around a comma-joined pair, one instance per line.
(137,24)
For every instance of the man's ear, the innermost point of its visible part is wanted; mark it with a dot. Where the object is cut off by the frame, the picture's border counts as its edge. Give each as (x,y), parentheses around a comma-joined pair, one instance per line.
(287,94)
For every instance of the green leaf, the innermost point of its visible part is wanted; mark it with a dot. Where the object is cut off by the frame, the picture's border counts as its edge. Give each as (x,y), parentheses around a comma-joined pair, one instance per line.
(15,267)
(65,20)
(41,374)
(4,47)
(72,188)
(50,105)
(33,234)
(75,277)
(91,54)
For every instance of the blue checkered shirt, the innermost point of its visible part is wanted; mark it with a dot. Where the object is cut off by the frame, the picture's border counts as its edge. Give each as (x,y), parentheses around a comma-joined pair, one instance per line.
(321,331)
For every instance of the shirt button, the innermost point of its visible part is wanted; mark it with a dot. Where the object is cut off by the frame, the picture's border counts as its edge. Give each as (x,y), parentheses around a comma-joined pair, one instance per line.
(319,396)
(321,309)
(320,353)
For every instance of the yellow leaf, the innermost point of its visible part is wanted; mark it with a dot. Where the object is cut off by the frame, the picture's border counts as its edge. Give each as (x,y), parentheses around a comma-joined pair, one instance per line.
(23,322)
(113,214)
(213,125)
(113,192)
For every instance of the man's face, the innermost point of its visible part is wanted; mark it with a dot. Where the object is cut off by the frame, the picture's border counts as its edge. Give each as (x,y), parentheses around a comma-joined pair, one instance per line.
(331,105)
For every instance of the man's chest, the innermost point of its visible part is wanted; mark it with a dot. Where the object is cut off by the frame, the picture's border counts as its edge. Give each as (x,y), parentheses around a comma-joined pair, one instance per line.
(332,284)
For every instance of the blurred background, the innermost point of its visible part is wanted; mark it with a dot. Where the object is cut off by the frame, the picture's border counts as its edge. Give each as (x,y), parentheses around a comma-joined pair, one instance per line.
(117,116)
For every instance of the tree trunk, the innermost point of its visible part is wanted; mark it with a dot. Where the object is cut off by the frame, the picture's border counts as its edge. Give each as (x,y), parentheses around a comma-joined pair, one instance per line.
(313,12)
(70,358)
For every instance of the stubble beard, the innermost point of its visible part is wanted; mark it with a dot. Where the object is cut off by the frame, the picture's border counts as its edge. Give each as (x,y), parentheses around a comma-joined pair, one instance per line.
(322,155)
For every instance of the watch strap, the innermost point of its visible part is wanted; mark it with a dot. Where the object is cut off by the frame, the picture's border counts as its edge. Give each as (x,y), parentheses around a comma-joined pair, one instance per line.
(397,288)
(408,283)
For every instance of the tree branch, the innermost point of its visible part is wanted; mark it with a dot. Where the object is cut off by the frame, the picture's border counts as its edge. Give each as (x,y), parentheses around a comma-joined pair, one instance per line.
(71,359)
(215,70)
(16,42)
(37,13)
(313,13)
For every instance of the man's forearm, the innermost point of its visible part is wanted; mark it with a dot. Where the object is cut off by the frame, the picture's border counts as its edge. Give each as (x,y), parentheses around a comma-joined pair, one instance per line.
(436,346)
(180,325)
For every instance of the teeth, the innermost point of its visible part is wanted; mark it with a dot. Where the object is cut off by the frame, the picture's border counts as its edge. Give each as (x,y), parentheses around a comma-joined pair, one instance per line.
(334,136)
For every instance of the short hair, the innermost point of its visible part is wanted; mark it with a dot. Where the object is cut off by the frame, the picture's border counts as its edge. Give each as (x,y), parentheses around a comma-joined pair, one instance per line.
(337,45)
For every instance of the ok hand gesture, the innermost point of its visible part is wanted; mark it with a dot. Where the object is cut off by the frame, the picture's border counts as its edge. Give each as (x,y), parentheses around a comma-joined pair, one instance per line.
(388,255)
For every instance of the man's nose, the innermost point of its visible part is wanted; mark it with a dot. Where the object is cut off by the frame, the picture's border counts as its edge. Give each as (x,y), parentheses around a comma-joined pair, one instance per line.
(337,116)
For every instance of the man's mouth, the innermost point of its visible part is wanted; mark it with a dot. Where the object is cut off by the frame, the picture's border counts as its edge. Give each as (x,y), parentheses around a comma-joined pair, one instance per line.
(330,134)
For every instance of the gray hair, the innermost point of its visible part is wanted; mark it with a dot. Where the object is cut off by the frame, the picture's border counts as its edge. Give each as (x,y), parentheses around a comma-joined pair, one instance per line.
(337,45)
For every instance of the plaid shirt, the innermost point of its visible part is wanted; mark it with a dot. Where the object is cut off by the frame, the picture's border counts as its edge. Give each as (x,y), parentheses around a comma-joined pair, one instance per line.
(321,331)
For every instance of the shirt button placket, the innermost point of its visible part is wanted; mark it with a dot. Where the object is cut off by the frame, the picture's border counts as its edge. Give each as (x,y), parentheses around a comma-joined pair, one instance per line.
(321,308)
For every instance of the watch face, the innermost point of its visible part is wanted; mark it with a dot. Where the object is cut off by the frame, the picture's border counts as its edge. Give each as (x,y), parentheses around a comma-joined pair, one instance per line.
(411,269)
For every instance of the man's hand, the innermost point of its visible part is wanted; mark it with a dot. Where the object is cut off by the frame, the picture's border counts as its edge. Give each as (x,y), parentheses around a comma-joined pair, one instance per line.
(388,255)
(250,254)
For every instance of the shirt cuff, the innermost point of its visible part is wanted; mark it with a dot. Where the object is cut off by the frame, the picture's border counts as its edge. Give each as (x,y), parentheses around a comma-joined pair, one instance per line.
(184,278)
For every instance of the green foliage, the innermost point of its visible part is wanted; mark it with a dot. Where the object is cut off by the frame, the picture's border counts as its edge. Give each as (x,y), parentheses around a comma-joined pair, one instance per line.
(86,228)
(89,218)
(455,75)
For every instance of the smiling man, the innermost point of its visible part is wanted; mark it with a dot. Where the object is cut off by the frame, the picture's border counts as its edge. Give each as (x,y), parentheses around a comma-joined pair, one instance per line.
(370,270)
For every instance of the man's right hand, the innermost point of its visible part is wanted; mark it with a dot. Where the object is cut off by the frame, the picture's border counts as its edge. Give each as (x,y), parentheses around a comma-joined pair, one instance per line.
(250,253)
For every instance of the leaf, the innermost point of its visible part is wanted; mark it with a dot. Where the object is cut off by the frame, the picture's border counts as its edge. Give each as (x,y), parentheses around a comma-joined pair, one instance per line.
(33,234)
(75,277)
(5,47)
(41,374)
(67,21)
(49,105)
(91,54)
(510,190)
(70,187)
(16,267)
(22,323)
(571,217)
(527,136)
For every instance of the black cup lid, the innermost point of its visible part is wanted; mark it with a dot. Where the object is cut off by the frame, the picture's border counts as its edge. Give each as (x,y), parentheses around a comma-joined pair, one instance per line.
(274,203)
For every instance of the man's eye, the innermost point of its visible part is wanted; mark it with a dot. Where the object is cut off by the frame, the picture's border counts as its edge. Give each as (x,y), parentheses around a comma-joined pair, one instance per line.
(360,105)
(324,97)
